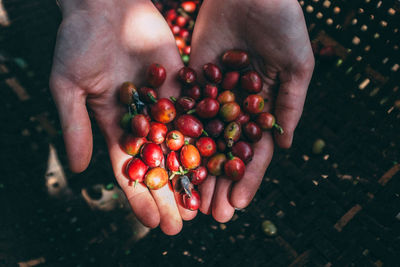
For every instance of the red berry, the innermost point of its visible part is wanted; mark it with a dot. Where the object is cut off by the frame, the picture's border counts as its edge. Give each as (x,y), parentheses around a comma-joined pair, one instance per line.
(152,154)
(181,21)
(193,92)
(212,73)
(191,202)
(190,157)
(226,97)
(243,118)
(234,168)
(156,75)
(265,120)
(157,133)
(171,15)
(230,80)
(229,111)
(186,50)
(175,140)
(251,81)
(211,91)
(235,59)
(253,104)
(136,169)
(252,132)
(172,161)
(189,6)
(198,175)
(163,111)
(184,33)
(147,94)
(215,164)
(214,128)
(243,150)
(187,76)
(207,108)
(175,29)
(189,125)
(206,146)
(140,125)
(131,144)
(185,103)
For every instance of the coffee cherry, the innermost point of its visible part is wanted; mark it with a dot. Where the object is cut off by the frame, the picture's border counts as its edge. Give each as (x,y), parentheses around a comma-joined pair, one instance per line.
(212,73)
(251,82)
(230,80)
(235,59)
(156,75)
(187,76)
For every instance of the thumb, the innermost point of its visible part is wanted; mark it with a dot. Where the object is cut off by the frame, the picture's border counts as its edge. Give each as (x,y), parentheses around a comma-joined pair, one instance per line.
(71,105)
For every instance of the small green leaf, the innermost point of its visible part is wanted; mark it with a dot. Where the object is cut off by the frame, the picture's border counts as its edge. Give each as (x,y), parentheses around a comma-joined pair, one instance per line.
(110,186)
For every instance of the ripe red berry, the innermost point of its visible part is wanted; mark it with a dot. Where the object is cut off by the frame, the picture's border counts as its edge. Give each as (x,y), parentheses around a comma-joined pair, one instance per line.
(191,202)
(156,75)
(174,140)
(136,169)
(152,154)
(157,132)
(211,91)
(207,108)
(253,104)
(212,73)
(206,146)
(234,168)
(230,80)
(235,59)
(173,162)
(252,132)
(198,175)
(251,82)
(187,76)
(140,125)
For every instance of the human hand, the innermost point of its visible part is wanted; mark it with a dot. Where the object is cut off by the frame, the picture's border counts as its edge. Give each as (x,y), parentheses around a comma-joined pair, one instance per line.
(100,45)
(275,35)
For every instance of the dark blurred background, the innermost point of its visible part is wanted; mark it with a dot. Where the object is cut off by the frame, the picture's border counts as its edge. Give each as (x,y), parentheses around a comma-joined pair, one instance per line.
(333,197)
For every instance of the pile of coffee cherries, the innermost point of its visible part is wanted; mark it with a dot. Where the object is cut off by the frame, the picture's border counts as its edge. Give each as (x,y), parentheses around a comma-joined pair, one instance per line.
(180,17)
(209,130)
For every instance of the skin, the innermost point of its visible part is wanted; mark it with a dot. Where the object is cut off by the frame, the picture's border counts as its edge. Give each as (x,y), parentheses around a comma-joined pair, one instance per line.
(275,34)
(102,43)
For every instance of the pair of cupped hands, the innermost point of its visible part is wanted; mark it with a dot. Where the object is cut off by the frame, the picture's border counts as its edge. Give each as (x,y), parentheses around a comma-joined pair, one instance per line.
(103,43)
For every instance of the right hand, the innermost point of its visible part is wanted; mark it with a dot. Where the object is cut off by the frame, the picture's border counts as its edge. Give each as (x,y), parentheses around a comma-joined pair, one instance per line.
(100,45)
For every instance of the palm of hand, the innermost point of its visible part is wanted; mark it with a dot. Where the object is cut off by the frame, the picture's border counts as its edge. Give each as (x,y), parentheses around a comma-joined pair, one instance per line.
(275,35)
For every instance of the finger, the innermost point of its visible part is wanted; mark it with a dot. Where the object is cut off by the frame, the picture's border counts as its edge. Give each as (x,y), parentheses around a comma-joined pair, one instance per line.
(244,190)
(142,202)
(290,101)
(222,210)
(206,190)
(170,219)
(75,123)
